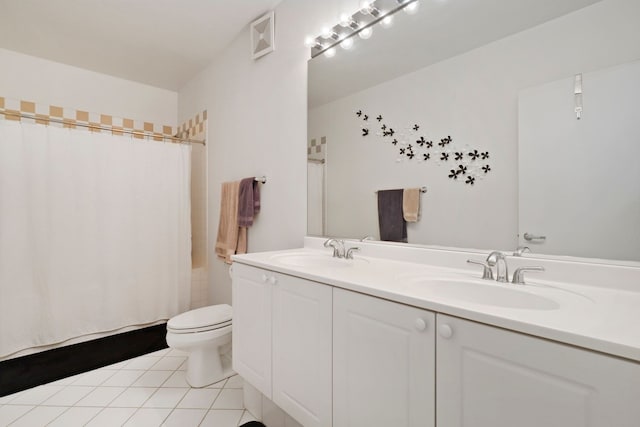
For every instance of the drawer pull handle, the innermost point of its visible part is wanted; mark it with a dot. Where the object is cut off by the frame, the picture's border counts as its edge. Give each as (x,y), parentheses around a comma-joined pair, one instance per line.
(273,280)
(445,331)
(421,325)
(264,277)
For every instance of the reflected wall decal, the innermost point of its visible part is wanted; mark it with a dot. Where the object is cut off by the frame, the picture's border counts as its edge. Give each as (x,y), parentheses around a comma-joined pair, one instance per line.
(411,145)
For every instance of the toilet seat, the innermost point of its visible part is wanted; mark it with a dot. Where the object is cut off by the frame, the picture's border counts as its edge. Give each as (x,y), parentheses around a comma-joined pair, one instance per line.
(201,320)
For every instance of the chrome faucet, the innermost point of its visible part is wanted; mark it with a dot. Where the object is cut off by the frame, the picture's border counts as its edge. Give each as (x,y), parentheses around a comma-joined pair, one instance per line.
(350,251)
(502,270)
(518,275)
(337,245)
(521,250)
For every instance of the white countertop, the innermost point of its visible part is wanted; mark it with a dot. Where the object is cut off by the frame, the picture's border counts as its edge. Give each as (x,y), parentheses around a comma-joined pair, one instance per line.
(594,317)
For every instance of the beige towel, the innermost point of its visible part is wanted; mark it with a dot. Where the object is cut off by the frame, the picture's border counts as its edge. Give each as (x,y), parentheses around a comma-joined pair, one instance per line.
(228,230)
(411,204)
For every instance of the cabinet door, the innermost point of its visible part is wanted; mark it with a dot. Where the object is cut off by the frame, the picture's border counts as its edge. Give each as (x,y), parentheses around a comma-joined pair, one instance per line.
(490,377)
(383,363)
(251,338)
(302,318)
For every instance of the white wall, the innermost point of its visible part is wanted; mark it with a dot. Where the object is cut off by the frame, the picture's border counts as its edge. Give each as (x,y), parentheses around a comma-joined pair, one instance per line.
(472,97)
(45,82)
(257,125)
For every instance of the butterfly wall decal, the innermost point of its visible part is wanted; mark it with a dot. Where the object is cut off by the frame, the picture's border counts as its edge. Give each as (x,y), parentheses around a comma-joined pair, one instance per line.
(379,118)
(365,131)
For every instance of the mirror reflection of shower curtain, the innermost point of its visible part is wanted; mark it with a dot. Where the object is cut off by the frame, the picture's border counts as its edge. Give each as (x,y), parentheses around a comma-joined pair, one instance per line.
(315,198)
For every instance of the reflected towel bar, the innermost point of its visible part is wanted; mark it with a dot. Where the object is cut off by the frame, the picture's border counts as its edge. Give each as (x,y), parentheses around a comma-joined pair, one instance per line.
(422,190)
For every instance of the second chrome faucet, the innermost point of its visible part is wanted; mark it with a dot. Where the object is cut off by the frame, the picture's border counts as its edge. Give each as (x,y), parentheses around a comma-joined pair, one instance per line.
(498,260)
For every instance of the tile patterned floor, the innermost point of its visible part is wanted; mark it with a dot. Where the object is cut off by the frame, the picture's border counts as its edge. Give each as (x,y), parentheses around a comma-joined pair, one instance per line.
(149,390)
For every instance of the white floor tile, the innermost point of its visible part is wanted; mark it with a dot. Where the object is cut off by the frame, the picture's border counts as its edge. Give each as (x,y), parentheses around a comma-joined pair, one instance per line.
(148,417)
(152,379)
(229,399)
(199,398)
(235,381)
(37,395)
(159,353)
(9,397)
(219,384)
(185,418)
(94,378)
(142,362)
(166,398)
(123,378)
(118,365)
(133,397)
(75,416)
(110,417)
(101,396)
(64,381)
(246,417)
(39,416)
(168,364)
(177,379)
(176,352)
(69,395)
(8,413)
(222,418)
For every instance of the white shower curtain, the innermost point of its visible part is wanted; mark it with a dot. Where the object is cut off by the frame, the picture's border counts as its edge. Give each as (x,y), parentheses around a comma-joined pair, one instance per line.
(315,199)
(94,233)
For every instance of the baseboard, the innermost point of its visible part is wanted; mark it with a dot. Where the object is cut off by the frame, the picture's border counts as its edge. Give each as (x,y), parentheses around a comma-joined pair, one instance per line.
(35,369)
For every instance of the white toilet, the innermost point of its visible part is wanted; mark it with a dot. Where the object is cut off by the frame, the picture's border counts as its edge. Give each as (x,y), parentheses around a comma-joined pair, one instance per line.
(204,333)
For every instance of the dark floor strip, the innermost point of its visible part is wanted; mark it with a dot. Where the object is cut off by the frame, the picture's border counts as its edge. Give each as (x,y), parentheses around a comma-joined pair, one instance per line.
(35,369)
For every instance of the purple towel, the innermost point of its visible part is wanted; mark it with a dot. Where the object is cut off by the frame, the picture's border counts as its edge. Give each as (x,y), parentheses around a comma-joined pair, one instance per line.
(393,227)
(248,201)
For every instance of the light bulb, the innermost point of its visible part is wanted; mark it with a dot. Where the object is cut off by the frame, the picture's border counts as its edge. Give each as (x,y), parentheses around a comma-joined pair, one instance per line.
(365,33)
(365,4)
(326,32)
(347,43)
(330,53)
(309,41)
(412,8)
(345,20)
(387,21)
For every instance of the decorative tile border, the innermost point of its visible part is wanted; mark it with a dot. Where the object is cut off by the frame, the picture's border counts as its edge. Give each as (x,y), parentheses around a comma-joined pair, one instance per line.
(194,126)
(12,109)
(314,147)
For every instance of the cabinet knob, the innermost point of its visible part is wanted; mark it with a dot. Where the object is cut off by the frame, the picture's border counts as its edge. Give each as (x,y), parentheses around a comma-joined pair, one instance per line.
(421,325)
(273,280)
(264,277)
(445,331)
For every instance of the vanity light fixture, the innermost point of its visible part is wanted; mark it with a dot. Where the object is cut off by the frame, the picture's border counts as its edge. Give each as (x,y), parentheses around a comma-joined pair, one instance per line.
(331,52)
(360,23)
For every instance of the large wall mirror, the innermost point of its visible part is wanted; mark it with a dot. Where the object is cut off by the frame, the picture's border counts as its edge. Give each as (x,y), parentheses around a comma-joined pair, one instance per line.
(492,84)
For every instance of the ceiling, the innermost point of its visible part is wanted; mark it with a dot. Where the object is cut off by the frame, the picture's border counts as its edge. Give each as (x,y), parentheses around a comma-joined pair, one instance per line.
(441,29)
(162,43)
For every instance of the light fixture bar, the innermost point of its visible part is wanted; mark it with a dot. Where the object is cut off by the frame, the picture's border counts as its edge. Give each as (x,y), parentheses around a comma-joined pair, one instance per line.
(359,21)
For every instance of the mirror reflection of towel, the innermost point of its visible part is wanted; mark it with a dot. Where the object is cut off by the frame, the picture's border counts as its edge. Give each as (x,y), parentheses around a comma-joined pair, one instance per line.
(411,204)
(393,227)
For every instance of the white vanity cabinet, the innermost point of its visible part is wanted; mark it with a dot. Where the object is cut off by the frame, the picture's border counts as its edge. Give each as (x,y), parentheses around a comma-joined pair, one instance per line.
(490,377)
(383,363)
(282,341)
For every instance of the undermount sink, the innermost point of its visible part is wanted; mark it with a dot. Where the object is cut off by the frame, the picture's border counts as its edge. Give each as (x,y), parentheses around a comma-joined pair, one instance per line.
(476,292)
(317,260)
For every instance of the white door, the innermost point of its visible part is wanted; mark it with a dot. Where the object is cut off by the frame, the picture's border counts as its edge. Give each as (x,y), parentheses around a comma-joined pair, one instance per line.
(302,350)
(383,372)
(252,325)
(490,377)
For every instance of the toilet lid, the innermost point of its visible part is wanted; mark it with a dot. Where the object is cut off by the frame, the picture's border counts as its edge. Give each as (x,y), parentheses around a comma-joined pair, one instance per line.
(200,318)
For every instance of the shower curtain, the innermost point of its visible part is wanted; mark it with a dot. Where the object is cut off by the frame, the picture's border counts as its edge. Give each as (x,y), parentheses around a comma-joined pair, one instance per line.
(94,233)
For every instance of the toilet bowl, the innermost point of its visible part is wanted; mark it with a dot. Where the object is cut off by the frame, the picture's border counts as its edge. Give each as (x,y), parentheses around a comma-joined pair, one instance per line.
(205,334)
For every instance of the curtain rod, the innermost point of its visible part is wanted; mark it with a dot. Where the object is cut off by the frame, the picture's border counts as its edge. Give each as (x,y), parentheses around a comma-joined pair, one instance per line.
(90,126)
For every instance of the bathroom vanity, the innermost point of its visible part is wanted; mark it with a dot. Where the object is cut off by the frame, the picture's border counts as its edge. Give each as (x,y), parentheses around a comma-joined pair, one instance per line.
(413,337)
